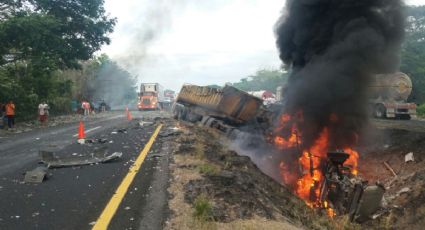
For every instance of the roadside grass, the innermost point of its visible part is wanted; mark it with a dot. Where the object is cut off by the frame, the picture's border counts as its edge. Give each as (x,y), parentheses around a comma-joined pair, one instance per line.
(343,222)
(202,208)
(199,151)
(208,169)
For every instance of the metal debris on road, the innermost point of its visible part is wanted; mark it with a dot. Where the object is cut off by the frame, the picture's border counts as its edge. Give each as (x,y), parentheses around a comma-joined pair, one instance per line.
(145,123)
(122,130)
(53,161)
(36,176)
(92,141)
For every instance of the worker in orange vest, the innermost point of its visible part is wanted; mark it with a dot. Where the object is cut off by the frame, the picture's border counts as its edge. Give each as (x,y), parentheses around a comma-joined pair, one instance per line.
(10,113)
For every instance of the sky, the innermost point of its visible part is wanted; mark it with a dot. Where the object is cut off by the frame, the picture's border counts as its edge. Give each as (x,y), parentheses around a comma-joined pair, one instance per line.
(173,42)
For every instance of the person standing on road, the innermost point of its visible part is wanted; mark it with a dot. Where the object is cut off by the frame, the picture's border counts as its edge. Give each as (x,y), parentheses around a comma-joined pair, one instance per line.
(43,112)
(103,106)
(86,107)
(10,113)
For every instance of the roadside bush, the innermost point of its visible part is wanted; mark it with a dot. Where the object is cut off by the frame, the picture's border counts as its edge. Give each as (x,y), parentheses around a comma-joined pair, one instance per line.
(202,208)
(421,110)
(59,105)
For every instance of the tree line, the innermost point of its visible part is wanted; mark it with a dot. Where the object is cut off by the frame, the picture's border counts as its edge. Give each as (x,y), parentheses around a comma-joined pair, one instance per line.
(46,53)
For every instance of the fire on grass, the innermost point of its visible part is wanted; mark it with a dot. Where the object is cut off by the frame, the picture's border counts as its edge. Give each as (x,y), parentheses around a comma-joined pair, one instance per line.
(307,178)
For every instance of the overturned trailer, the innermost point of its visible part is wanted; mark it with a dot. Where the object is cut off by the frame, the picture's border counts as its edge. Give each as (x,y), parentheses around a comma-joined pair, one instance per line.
(228,105)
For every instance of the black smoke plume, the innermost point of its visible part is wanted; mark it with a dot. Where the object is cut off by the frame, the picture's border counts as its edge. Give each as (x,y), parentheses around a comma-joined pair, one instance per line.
(333,48)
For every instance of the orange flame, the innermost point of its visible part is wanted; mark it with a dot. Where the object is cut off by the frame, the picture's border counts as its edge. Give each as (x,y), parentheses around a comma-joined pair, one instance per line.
(307,186)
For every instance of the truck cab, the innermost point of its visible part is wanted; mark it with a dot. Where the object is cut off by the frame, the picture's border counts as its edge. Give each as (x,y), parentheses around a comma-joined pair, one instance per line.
(151,96)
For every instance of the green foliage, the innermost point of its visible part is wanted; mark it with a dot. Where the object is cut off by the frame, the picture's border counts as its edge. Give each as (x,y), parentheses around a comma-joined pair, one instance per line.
(413,53)
(38,39)
(421,110)
(58,33)
(263,80)
(202,208)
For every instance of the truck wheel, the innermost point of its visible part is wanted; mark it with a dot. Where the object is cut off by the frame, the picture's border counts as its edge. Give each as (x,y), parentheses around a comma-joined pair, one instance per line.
(404,117)
(182,114)
(380,111)
(193,117)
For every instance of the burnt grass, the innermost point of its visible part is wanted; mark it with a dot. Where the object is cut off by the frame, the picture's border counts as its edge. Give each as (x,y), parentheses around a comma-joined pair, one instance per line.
(239,190)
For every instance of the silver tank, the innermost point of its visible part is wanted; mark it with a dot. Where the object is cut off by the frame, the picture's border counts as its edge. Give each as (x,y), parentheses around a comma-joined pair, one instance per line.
(396,86)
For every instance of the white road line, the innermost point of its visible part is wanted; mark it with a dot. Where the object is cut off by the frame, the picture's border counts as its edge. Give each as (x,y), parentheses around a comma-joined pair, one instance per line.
(89,130)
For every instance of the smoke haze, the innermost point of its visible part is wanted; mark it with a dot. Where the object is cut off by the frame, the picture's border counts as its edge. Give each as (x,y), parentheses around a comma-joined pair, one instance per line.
(333,48)
(189,41)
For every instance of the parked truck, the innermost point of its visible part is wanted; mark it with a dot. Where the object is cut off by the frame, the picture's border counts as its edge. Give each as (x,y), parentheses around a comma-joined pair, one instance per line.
(228,105)
(389,94)
(151,96)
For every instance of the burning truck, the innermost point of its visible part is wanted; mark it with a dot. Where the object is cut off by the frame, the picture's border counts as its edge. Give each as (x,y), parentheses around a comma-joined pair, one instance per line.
(333,50)
(325,180)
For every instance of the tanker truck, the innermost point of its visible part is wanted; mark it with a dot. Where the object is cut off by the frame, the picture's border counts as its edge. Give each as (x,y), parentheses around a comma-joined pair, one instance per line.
(388,96)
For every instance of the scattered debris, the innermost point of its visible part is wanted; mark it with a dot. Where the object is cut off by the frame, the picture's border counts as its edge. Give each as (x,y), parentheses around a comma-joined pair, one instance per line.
(145,123)
(403,190)
(409,157)
(53,161)
(36,176)
(370,203)
(122,130)
(170,132)
(92,141)
(390,169)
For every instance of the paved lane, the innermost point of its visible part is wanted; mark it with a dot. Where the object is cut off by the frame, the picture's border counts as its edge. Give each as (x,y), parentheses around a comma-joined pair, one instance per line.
(74,198)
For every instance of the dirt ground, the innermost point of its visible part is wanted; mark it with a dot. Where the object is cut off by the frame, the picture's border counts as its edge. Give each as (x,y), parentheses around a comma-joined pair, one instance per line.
(215,188)
(404,200)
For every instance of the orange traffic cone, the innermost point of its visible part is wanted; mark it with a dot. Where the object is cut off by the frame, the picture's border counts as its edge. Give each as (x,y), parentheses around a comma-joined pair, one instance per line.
(129,117)
(81,134)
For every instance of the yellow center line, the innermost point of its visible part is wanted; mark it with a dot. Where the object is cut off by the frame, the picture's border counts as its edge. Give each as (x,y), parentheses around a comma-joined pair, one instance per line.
(105,218)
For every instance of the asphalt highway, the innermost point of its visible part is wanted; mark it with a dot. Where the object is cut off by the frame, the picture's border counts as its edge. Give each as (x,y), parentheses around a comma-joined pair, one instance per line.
(76,197)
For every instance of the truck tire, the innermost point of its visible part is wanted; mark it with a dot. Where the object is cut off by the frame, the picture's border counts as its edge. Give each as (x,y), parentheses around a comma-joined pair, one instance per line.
(182,114)
(380,111)
(404,117)
(193,117)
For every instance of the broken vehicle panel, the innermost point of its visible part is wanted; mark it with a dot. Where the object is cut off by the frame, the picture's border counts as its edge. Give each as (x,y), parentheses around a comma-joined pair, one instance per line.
(53,161)
(38,175)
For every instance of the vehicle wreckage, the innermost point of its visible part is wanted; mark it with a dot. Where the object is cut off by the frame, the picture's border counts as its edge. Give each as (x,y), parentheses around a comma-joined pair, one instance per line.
(238,114)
